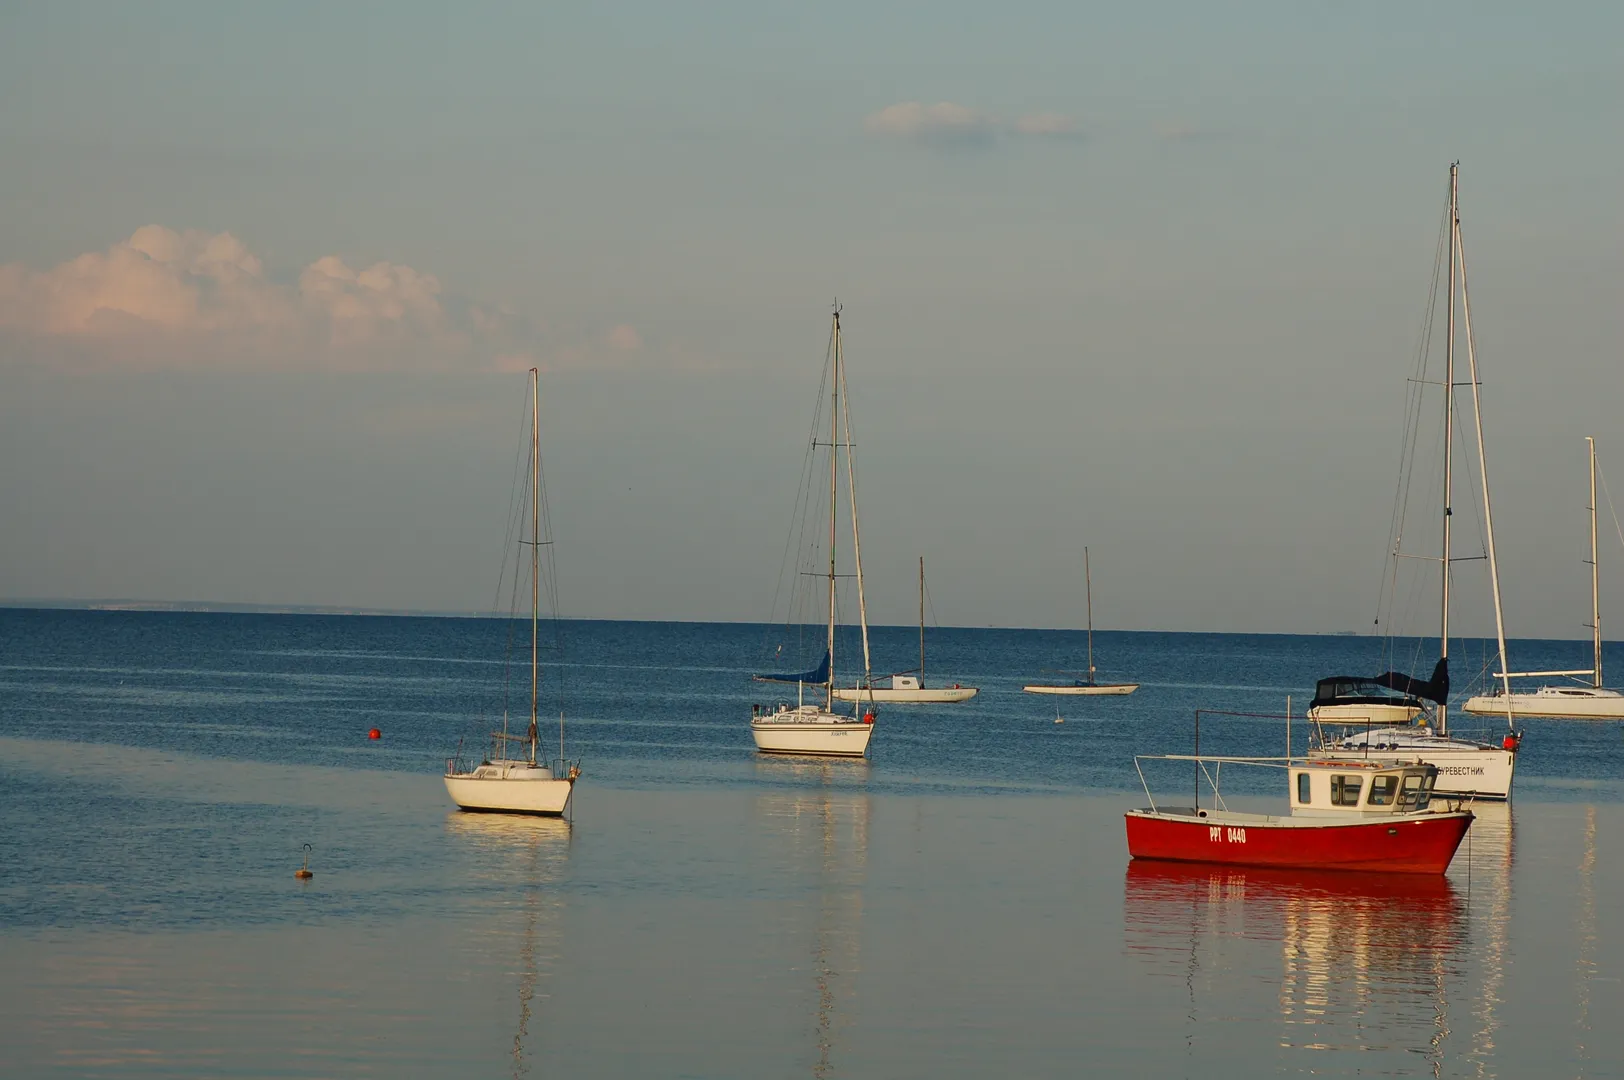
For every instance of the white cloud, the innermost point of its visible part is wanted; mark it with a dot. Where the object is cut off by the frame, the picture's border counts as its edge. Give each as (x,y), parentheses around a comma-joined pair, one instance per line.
(943,120)
(1046,123)
(170,298)
(948,122)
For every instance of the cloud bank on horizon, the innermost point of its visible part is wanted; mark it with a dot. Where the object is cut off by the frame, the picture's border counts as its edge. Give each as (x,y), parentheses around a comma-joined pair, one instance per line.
(948,122)
(166,298)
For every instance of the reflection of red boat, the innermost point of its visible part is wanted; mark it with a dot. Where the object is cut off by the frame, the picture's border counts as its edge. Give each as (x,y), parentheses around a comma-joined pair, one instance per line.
(1345,815)
(1151,882)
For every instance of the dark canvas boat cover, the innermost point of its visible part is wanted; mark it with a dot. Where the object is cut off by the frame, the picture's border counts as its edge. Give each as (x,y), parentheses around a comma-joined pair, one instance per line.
(1355,689)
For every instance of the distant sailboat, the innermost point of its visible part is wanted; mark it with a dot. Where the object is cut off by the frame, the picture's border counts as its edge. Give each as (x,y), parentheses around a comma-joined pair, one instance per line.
(910,688)
(812,728)
(520,782)
(1564,702)
(1079,686)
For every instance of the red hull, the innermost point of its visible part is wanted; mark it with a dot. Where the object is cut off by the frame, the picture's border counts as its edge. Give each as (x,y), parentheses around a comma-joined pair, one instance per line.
(1411,844)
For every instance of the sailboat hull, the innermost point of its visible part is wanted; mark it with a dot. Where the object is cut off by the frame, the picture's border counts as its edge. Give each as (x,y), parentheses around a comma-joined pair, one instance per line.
(510,789)
(1083,689)
(921,695)
(1553,703)
(1464,768)
(812,731)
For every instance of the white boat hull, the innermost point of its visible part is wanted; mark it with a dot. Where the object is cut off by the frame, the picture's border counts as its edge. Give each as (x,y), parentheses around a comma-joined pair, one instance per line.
(511,789)
(923,694)
(811,731)
(1464,768)
(1097,689)
(1553,703)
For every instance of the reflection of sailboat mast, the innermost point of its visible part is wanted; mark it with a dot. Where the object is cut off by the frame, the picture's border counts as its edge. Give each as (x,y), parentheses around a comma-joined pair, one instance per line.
(1586,962)
(837,866)
(509,854)
(1489,865)
(527,981)
(840,909)
(820,945)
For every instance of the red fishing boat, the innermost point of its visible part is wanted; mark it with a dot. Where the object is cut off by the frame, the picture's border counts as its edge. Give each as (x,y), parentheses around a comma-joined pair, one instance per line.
(1345,815)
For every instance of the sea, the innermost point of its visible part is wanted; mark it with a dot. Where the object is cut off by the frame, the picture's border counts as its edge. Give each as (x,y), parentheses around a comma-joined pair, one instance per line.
(959,904)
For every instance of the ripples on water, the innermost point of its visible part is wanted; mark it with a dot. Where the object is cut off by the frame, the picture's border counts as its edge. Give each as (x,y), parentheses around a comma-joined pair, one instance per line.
(960,905)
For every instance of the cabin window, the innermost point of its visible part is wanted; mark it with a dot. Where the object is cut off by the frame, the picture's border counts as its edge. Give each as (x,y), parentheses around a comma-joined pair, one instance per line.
(1382,790)
(1345,790)
(1417,791)
(1303,789)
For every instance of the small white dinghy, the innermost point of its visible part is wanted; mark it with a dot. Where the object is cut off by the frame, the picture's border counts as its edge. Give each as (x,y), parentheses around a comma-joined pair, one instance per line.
(513,779)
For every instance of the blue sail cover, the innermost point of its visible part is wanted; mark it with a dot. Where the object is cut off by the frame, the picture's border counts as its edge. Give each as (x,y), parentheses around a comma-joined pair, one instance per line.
(819,674)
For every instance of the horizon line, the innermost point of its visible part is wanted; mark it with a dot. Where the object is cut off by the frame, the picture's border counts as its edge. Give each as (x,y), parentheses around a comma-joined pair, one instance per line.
(220,607)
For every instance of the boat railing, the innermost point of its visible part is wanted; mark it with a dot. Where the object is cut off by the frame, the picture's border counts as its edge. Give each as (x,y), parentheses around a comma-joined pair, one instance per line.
(1213,776)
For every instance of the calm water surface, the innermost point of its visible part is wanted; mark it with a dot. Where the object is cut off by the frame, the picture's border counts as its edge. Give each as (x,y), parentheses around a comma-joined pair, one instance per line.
(961,905)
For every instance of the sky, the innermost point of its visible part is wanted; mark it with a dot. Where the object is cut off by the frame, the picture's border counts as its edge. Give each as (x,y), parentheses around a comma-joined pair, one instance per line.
(1146,278)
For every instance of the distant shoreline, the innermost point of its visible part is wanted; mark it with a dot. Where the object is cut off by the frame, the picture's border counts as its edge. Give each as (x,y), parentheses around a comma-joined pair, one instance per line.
(206,607)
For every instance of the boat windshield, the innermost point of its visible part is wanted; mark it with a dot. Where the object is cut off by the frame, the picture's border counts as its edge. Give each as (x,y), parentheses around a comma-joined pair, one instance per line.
(1417,791)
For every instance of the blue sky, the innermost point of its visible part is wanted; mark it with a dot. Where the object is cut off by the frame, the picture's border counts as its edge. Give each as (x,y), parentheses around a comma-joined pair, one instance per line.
(1143,277)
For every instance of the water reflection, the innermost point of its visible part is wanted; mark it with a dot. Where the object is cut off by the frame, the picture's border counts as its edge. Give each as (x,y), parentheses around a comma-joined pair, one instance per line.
(1586,963)
(1354,953)
(822,837)
(508,853)
(1482,867)
(827,772)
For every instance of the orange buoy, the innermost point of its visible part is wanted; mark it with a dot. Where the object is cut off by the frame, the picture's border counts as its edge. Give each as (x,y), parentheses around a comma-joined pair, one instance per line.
(374,734)
(868,718)
(304,873)
(1510,742)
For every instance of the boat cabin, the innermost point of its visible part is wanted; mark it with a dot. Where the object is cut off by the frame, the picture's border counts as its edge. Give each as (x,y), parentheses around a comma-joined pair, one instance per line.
(1360,787)
(905,682)
(1349,699)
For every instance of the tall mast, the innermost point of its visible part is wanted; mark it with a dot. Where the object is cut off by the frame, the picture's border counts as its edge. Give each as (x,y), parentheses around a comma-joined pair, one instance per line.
(1088,592)
(921,620)
(1595,572)
(834,487)
(1483,475)
(535,544)
(1449,436)
(856,542)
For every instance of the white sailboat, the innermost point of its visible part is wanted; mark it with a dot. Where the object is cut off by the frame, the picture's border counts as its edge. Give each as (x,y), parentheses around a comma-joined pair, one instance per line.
(1395,718)
(805,728)
(909,688)
(1569,701)
(1089,687)
(513,778)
